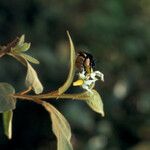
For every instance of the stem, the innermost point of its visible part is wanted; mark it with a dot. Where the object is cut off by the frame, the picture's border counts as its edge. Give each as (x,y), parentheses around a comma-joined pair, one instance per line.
(27,97)
(26,91)
(8,47)
(80,96)
(38,101)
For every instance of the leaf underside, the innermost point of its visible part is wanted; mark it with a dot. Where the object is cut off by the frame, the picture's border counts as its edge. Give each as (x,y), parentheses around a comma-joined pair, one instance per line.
(29,58)
(95,102)
(69,80)
(7,123)
(7,101)
(60,127)
(32,80)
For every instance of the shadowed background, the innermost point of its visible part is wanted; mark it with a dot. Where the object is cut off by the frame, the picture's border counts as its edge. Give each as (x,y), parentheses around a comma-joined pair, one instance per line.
(117,33)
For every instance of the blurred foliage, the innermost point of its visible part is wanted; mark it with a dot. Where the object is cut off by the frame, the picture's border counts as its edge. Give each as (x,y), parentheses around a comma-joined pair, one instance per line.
(117,33)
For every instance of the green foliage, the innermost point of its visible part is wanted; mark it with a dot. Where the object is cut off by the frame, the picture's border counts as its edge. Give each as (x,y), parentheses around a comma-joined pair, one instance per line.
(7,122)
(29,58)
(32,80)
(60,126)
(70,78)
(7,101)
(92,99)
(117,33)
(21,46)
(95,102)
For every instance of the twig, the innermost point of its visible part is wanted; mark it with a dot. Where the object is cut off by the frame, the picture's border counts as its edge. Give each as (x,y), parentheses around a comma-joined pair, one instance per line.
(7,48)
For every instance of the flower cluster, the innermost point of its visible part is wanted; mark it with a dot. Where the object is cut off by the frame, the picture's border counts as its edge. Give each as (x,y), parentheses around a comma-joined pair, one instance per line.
(87,81)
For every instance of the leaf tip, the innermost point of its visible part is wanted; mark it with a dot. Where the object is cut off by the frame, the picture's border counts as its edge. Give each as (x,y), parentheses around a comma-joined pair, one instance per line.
(68,34)
(22,36)
(33,80)
(103,114)
(21,39)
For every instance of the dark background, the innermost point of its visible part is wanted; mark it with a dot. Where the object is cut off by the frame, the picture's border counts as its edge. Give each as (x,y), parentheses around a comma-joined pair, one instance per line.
(117,33)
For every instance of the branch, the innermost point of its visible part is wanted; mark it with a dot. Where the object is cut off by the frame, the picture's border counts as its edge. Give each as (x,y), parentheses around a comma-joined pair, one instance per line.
(77,96)
(7,48)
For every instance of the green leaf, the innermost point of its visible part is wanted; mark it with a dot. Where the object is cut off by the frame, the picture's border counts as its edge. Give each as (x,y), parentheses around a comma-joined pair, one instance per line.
(92,99)
(21,46)
(32,80)
(7,122)
(7,101)
(21,40)
(69,80)
(95,102)
(60,127)
(29,58)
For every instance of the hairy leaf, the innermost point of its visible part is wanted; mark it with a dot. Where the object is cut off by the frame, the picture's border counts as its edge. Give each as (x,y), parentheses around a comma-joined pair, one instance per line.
(17,51)
(60,127)
(95,102)
(7,123)
(69,80)
(92,99)
(7,101)
(32,80)
(21,46)
(29,58)
(21,40)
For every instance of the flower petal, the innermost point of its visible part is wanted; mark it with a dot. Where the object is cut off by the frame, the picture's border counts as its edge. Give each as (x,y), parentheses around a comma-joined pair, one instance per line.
(99,74)
(93,74)
(82,75)
(78,82)
(89,82)
(86,87)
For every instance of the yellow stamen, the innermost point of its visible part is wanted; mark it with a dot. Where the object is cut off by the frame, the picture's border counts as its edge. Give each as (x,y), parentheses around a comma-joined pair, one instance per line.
(88,69)
(78,82)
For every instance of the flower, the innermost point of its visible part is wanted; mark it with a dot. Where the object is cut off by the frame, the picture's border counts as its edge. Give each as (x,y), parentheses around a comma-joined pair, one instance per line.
(87,81)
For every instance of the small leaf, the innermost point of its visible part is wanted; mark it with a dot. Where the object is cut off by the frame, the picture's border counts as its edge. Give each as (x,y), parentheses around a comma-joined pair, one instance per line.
(21,46)
(7,101)
(95,102)
(69,80)
(32,80)
(21,40)
(30,58)
(92,99)
(7,122)
(60,126)
(25,47)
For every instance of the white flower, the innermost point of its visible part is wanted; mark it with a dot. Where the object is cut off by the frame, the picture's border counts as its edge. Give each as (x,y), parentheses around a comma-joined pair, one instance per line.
(87,81)
(98,74)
